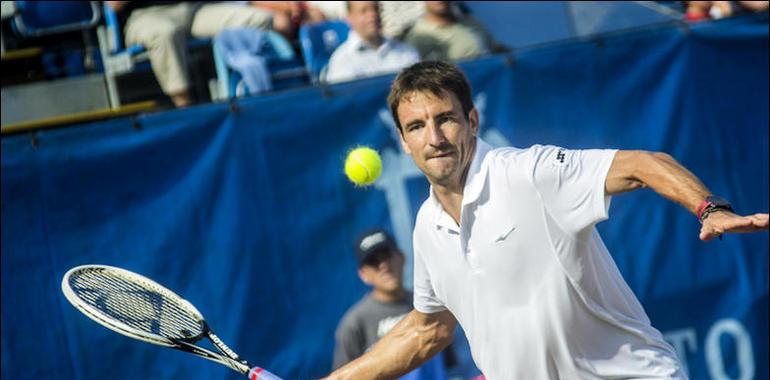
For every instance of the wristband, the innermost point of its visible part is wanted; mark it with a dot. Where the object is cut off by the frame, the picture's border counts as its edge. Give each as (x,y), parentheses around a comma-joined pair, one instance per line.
(710,204)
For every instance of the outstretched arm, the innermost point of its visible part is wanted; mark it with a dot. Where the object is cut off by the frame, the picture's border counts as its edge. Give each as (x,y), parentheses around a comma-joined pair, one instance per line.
(632,170)
(413,341)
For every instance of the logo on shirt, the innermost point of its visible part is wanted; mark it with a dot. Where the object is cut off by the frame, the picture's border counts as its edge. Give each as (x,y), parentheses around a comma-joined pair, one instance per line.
(560,156)
(386,324)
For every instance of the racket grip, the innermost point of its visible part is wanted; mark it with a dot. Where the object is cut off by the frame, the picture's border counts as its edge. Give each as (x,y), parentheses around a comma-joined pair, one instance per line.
(258,373)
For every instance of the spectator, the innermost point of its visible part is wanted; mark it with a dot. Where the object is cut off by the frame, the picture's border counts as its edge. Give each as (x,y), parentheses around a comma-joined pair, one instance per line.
(399,16)
(396,17)
(380,265)
(367,52)
(331,9)
(702,10)
(163,28)
(444,34)
(289,15)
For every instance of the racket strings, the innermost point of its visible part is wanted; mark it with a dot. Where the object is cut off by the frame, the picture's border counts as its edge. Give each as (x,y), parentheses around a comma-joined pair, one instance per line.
(135,304)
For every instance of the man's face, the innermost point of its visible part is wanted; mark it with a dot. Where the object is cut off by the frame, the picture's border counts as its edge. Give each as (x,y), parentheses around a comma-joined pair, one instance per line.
(439,8)
(364,19)
(383,271)
(438,136)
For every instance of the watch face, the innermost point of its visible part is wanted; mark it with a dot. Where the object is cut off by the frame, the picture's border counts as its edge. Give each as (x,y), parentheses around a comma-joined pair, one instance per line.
(717,201)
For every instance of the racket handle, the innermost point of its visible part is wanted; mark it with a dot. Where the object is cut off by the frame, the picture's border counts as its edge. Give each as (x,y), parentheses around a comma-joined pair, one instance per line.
(258,373)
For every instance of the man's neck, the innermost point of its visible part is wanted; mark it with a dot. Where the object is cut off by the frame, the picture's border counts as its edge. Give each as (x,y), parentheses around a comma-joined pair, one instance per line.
(450,195)
(441,20)
(388,297)
(451,201)
(374,41)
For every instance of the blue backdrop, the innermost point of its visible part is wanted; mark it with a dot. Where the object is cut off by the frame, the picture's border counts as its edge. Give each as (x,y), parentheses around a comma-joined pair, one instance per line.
(245,210)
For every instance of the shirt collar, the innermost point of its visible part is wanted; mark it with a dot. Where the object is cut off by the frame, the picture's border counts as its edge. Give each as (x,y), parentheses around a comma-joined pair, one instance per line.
(359,44)
(477,174)
(474,184)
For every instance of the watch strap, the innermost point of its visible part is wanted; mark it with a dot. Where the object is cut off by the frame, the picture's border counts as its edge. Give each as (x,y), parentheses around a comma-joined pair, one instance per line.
(710,205)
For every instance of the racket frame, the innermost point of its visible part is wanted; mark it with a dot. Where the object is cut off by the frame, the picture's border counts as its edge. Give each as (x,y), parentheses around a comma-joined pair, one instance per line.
(228,357)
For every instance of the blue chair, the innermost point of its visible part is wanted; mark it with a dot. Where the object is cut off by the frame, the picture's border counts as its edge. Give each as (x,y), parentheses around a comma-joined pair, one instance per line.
(286,69)
(40,18)
(318,41)
(33,19)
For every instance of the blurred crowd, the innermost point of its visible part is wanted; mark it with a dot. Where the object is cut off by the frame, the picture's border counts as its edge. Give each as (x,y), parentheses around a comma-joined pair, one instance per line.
(384,36)
(706,10)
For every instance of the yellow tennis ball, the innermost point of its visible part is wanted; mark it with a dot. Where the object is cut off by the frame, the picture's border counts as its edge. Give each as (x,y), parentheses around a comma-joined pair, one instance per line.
(363,166)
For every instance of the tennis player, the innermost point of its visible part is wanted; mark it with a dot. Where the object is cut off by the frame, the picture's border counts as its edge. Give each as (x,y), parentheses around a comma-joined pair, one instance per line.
(506,246)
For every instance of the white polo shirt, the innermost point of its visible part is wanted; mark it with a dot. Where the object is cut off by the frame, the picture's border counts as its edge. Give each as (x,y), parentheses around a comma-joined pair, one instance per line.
(528,277)
(356,58)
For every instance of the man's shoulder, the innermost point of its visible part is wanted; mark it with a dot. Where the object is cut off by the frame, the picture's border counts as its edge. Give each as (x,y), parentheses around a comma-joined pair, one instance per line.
(506,155)
(360,306)
(471,22)
(509,160)
(402,48)
(354,314)
(422,27)
(339,65)
(342,50)
(424,212)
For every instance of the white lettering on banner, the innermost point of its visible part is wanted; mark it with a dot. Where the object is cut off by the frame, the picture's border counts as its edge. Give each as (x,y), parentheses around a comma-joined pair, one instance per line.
(681,340)
(398,167)
(685,343)
(744,352)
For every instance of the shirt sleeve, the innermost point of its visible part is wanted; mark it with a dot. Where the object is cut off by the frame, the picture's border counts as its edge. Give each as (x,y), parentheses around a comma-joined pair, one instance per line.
(335,70)
(572,184)
(412,56)
(425,299)
(348,343)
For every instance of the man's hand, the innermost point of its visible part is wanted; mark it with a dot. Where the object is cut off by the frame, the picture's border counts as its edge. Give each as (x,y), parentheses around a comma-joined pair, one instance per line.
(407,346)
(720,222)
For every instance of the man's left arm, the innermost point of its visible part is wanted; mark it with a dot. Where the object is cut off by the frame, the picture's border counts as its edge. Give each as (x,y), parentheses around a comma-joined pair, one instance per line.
(631,170)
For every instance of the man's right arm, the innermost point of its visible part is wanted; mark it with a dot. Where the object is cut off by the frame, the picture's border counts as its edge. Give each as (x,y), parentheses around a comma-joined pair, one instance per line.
(413,341)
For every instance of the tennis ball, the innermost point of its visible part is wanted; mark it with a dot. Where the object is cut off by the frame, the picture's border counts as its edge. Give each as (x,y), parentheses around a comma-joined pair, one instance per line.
(363,166)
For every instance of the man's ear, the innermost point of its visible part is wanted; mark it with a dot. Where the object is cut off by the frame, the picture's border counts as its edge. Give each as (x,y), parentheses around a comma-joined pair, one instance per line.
(363,274)
(473,119)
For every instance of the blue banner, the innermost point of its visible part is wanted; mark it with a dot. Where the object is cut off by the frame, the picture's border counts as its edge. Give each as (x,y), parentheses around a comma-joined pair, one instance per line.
(244,210)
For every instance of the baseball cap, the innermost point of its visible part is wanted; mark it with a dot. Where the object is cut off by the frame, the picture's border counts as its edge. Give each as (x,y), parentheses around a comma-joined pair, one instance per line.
(372,242)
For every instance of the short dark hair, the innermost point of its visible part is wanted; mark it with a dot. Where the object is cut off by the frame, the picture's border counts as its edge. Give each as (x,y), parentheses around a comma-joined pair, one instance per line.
(435,77)
(347,5)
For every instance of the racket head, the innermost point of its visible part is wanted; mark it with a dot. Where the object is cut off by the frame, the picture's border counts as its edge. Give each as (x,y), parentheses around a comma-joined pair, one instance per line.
(132,305)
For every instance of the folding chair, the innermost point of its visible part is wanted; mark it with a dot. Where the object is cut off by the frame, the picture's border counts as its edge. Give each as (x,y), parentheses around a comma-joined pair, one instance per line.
(286,69)
(318,41)
(39,18)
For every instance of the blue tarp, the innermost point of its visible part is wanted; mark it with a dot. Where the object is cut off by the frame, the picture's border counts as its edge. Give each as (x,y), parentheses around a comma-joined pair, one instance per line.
(245,210)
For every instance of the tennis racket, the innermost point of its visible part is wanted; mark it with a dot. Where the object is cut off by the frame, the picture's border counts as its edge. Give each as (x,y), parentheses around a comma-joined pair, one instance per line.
(137,307)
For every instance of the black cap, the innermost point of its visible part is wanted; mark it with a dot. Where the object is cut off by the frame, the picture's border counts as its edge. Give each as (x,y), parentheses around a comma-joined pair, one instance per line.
(372,242)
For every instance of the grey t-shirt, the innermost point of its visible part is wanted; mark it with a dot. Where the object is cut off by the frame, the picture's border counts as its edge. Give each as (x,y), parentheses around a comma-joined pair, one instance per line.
(364,324)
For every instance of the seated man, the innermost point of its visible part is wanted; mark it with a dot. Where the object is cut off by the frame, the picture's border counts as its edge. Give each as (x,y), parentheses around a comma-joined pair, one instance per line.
(443,34)
(367,52)
(163,28)
(380,265)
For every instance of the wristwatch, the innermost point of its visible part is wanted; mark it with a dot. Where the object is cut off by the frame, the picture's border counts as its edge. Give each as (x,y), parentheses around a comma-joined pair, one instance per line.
(710,204)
